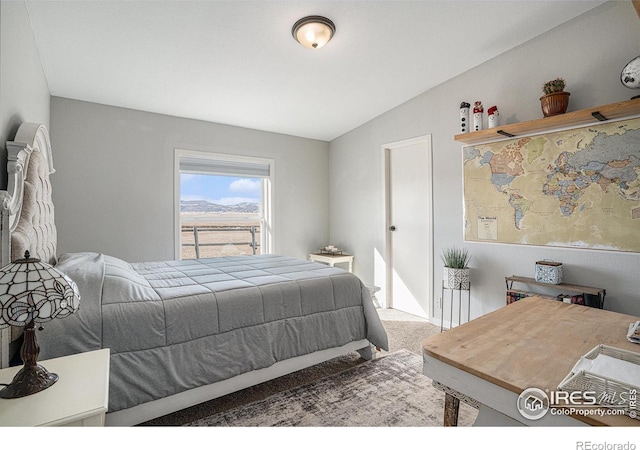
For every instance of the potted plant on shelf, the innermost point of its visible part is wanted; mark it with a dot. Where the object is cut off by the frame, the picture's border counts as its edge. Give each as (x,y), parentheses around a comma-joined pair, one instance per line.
(555,100)
(456,268)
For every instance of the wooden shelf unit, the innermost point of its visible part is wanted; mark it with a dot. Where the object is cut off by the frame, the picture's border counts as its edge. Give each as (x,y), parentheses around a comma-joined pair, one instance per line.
(562,287)
(595,115)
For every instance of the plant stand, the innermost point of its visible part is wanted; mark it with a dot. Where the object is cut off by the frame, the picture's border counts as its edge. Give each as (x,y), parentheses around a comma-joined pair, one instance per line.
(459,290)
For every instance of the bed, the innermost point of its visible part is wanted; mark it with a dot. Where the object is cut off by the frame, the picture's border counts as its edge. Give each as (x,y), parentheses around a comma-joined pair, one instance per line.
(182,332)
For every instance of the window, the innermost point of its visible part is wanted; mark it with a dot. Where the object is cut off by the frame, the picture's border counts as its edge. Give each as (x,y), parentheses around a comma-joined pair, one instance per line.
(223,205)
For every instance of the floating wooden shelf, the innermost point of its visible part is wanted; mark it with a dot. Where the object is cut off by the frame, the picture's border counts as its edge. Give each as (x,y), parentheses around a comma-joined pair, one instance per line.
(612,111)
(574,288)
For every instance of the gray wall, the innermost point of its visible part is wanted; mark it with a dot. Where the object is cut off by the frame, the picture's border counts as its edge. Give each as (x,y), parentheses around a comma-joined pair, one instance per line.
(114,183)
(24,93)
(590,57)
(114,186)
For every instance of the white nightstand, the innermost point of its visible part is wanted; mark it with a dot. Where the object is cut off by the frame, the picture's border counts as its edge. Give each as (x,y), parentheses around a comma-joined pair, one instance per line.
(80,397)
(330,259)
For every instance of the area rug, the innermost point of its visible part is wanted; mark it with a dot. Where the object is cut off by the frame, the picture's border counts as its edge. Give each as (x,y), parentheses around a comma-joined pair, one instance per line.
(390,391)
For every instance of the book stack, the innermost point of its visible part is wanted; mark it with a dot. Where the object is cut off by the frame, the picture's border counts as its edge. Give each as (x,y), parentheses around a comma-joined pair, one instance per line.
(514,296)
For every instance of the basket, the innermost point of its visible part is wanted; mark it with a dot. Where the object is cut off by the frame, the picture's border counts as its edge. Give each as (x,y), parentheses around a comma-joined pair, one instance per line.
(609,392)
(548,272)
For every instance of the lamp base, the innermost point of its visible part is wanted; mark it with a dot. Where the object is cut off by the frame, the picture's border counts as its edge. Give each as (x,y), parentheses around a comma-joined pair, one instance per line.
(29,380)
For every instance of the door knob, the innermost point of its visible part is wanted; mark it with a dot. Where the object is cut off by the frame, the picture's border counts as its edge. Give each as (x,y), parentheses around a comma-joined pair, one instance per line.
(392,228)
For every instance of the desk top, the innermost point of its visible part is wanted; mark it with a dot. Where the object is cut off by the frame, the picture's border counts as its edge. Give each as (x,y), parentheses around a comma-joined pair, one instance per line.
(533,342)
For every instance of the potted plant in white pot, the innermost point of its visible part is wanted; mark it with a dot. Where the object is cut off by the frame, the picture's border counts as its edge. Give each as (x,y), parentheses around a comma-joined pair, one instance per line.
(456,268)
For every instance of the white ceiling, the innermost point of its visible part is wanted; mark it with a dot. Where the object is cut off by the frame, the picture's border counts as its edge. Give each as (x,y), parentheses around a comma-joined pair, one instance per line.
(235,62)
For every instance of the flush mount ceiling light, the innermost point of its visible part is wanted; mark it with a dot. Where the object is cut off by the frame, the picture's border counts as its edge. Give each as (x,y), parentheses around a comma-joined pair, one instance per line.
(313,31)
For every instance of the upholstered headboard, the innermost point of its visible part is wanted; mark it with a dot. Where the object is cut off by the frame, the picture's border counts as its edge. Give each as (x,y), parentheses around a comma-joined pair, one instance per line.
(26,208)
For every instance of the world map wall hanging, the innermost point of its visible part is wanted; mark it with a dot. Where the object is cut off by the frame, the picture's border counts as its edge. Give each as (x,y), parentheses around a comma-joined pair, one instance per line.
(574,188)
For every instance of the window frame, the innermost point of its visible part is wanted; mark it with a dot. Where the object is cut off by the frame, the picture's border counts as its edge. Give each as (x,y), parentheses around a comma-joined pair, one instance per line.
(267,237)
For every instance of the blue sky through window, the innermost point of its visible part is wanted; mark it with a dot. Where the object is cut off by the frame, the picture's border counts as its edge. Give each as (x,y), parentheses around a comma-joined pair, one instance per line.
(221,190)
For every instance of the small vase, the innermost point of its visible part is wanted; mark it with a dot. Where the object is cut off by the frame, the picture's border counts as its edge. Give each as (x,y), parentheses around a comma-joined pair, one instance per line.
(456,278)
(554,103)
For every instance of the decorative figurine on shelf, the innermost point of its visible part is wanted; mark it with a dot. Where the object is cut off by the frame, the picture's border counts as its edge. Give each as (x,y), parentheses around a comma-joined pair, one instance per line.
(332,250)
(478,112)
(493,116)
(630,76)
(464,117)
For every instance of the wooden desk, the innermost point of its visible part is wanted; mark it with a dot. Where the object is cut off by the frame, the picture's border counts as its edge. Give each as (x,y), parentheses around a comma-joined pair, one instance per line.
(534,342)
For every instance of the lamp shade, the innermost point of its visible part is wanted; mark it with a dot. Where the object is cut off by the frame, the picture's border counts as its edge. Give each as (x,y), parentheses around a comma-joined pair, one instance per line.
(31,290)
(313,31)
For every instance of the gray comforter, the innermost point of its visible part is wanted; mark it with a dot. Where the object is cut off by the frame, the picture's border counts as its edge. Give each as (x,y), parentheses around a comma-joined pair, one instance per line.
(176,325)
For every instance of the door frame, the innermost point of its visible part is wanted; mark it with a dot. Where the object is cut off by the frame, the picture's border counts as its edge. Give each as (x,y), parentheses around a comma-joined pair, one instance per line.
(386,208)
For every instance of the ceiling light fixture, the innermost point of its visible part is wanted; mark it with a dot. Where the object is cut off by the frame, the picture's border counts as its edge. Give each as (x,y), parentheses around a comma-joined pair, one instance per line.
(313,31)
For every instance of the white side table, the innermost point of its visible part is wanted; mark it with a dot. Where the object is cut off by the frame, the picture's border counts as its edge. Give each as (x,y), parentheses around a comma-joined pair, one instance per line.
(332,260)
(80,397)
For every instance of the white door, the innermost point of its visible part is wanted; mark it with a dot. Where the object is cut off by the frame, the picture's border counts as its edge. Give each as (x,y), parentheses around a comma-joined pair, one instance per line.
(409,226)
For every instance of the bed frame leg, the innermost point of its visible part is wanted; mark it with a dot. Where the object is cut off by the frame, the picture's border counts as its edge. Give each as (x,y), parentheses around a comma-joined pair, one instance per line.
(368,352)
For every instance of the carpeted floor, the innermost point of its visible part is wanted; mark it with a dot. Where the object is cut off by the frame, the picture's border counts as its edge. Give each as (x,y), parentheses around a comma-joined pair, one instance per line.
(405,333)
(390,391)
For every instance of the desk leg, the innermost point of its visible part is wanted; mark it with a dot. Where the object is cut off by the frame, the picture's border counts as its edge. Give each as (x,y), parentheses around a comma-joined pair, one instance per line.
(451,407)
